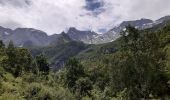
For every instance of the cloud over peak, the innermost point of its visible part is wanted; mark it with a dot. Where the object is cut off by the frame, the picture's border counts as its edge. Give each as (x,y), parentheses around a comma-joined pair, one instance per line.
(54,16)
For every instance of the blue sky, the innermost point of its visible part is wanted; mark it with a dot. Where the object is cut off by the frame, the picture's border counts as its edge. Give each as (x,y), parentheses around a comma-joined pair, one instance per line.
(54,16)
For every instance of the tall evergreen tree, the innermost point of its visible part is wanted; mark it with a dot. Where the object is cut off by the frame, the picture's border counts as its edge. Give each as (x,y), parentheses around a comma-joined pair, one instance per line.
(42,64)
(74,70)
(2,45)
(11,58)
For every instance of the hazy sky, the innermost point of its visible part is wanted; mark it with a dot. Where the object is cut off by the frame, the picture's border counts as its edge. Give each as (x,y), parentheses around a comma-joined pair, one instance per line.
(54,16)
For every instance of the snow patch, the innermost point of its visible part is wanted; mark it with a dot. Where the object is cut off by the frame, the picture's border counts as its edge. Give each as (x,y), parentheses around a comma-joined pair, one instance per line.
(21,45)
(6,33)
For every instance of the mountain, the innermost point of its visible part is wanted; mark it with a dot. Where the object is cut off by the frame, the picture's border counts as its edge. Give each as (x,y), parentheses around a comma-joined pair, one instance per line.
(58,39)
(88,54)
(114,33)
(26,37)
(22,36)
(95,53)
(58,48)
(90,37)
(143,23)
(166,18)
(136,23)
(84,36)
(5,31)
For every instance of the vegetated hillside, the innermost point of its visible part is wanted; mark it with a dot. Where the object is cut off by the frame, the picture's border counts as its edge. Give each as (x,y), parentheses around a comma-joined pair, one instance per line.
(23,77)
(60,53)
(96,53)
(134,67)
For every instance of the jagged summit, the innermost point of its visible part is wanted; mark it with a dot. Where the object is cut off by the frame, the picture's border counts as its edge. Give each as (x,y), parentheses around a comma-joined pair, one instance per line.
(30,36)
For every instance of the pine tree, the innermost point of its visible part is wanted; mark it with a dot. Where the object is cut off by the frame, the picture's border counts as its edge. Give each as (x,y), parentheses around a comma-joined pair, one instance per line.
(2,45)
(74,70)
(43,65)
(11,58)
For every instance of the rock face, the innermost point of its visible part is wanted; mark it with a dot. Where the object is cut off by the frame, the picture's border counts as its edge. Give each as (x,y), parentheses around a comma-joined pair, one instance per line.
(85,36)
(114,33)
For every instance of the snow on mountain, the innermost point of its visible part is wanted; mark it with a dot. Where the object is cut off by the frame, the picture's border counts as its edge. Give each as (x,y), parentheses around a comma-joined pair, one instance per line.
(31,37)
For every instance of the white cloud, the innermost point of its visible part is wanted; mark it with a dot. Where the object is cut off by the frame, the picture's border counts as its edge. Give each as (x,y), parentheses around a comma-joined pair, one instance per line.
(54,16)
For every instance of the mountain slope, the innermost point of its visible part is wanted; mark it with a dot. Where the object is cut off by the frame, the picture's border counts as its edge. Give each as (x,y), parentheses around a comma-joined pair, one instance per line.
(114,33)
(94,54)
(60,53)
(27,37)
(84,36)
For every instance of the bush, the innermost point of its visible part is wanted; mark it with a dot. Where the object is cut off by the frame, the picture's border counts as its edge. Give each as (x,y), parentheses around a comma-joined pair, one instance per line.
(10,96)
(83,86)
(37,91)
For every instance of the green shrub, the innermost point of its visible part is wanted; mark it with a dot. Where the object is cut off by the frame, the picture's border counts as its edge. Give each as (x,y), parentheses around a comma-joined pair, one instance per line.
(10,96)
(37,91)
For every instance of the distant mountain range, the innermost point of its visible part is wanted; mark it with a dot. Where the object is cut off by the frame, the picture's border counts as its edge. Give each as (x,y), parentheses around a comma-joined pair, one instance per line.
(90,37)
(143,23)
(26,37)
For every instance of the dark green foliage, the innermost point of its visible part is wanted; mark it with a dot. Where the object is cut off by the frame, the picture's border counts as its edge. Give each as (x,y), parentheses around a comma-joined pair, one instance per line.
(76,79)
(59,54)
(2,45)
(74,70)
(83,86)
(137,69)
(17,60)
(11,58)
(142,67)
(26,61)
(43,65)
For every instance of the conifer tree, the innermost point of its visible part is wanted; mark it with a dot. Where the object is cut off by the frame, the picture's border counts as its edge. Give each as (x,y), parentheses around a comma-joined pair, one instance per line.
(74,70)
(42,63)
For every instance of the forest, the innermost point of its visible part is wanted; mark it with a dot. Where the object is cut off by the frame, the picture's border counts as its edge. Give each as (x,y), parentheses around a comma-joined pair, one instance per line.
(138,69)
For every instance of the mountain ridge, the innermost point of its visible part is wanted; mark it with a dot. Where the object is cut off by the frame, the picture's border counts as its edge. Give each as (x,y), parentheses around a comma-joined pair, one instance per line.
(25,37)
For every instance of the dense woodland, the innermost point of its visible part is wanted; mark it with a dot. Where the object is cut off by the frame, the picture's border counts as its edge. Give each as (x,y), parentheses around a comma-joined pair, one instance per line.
(139,68)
